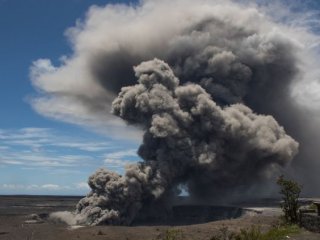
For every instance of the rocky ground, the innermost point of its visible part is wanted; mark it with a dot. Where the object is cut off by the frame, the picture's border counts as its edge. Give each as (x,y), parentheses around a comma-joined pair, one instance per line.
(16,224)
(15,228)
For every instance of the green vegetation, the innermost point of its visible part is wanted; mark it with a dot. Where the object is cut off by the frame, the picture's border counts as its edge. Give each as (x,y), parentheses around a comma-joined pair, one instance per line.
(254,233)
(312,207)
(172,234)
(280,232)
(290,191)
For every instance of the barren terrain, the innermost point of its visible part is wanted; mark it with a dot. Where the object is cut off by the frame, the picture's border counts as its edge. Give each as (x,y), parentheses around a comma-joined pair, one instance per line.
(15,211)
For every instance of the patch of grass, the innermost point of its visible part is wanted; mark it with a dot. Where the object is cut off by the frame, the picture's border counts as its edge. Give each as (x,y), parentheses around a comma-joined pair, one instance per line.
(254,233)
(281,232)
(172,234)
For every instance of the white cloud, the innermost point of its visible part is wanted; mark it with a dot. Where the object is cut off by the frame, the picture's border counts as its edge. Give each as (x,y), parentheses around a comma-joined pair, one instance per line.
(116,163)
(34,159)
(11,162)
(4,148)
(43,147)
(47,187)
(82,185)
(121,154)
(40,137)
(11,186)
(66,107)
(90,147)
(120,159)
(51,186)
(42,66)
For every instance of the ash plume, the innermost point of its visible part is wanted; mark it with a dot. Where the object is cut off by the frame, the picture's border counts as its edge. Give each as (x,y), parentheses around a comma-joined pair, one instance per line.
(188,139)
(211,121)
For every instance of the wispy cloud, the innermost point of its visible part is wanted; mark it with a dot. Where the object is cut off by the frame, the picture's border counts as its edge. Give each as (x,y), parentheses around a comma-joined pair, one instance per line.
(82,185)
(119,159)
(50,187)
(38,137)
(43,159)
(43,147)
(122,154)
(47,157)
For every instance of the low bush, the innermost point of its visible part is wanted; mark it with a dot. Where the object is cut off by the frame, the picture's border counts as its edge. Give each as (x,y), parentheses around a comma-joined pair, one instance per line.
(254,233)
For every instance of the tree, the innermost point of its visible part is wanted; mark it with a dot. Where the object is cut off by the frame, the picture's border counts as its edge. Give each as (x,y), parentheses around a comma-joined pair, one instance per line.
(290,191)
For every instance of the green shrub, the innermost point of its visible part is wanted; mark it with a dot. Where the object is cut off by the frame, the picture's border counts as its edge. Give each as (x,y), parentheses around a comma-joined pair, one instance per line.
(290,191)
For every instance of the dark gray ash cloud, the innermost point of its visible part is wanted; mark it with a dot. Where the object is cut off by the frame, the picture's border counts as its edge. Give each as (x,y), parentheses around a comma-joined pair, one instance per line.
(189,140)
(211,119)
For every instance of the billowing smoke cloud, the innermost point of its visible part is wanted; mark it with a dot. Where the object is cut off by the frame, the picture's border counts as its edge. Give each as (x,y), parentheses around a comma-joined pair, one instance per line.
(189,140)
(195,38)
(225,59)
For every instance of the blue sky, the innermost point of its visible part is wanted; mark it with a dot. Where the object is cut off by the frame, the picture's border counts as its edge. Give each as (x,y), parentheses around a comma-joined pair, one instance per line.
(39,155)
